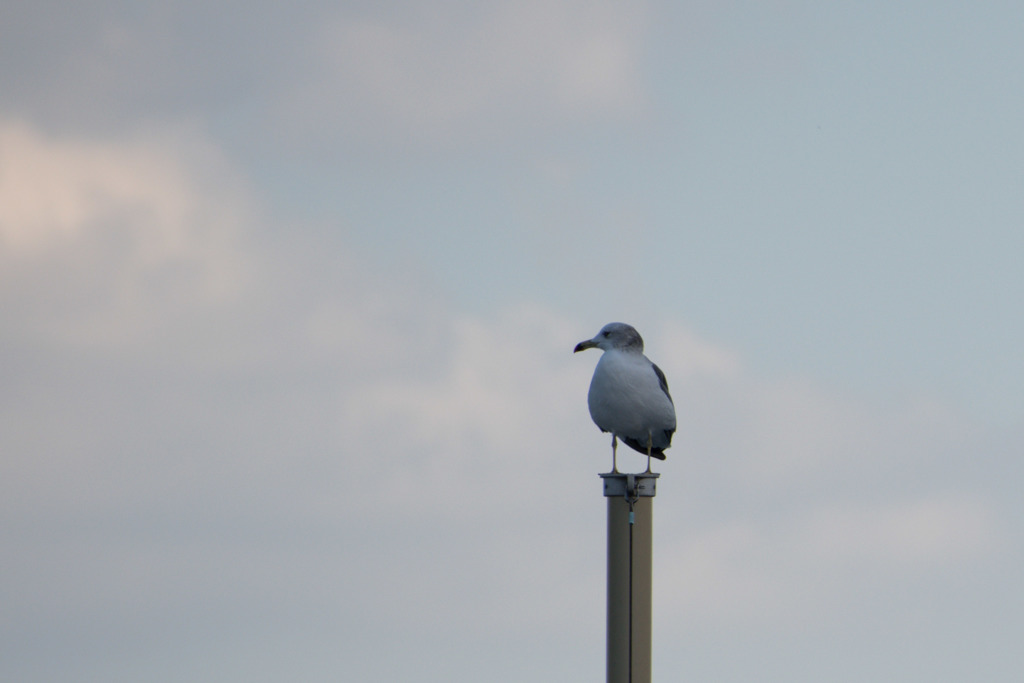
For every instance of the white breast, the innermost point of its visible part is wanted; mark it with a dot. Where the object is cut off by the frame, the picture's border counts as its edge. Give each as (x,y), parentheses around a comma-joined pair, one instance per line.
(626,398)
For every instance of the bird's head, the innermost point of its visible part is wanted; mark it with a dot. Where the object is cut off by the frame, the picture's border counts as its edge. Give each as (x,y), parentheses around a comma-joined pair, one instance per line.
(613,336)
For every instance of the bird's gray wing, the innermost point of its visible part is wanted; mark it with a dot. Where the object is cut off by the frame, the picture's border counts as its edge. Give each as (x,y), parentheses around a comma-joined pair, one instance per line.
(662,381)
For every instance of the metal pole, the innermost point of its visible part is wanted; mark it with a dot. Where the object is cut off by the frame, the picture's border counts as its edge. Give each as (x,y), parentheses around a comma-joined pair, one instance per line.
(630,511)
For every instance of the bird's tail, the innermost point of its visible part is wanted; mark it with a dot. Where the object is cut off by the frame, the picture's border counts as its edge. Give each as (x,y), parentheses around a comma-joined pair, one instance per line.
(641,447)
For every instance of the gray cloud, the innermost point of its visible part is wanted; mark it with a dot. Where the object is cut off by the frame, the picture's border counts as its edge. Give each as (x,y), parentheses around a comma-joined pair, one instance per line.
(239,444)
(324,451)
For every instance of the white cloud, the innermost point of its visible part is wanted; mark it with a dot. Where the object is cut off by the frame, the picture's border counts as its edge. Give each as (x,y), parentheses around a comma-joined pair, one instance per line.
(468,417)
(453,69)
(685,355)
(815,565)
(906,534)
(112,235)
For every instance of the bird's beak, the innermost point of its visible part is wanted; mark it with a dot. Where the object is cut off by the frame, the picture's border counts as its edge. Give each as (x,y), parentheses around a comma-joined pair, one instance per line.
(584,345)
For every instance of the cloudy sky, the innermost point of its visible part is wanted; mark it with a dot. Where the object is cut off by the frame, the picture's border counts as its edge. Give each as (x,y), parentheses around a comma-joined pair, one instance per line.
(288,293)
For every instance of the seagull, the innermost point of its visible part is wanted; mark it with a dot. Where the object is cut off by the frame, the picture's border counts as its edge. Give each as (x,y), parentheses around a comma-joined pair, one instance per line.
(629,394)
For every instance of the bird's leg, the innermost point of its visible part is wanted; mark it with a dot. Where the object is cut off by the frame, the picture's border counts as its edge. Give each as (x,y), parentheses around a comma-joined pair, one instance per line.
(615,443)
(650,446)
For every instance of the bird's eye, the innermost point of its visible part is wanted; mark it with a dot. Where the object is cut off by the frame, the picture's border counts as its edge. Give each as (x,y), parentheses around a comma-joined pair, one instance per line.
(604,334)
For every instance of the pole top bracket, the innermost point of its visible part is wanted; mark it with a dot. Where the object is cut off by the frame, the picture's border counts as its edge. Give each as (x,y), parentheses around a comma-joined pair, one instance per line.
(641,485)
